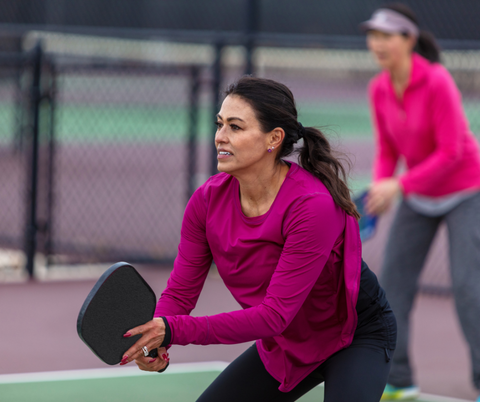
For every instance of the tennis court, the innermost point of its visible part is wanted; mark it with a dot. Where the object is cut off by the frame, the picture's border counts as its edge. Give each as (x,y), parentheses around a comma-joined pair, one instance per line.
(181,382)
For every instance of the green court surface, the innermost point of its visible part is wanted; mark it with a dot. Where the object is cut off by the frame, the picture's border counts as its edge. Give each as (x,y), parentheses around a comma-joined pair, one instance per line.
(180,383)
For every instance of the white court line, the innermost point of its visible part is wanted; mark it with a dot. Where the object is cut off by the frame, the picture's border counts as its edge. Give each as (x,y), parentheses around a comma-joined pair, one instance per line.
(118,372)
(435,398)
(113,372)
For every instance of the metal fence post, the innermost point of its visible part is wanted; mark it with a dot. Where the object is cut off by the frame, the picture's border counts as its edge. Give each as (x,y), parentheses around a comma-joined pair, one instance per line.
(51,163)
(31,226)
(193,129)
(216,85)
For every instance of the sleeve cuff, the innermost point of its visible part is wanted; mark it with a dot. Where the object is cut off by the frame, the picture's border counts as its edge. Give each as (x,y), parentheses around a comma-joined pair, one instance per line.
(168,334)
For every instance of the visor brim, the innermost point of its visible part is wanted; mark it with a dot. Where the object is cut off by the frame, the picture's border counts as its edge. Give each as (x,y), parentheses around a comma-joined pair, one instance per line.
(372,25)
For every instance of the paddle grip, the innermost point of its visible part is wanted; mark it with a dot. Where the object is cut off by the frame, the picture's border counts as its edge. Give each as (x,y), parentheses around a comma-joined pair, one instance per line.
(153,353)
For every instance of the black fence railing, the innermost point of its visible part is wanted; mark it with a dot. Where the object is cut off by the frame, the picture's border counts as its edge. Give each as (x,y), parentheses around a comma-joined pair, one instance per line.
(98,157)
(445,18)
(26,150)
(122,140)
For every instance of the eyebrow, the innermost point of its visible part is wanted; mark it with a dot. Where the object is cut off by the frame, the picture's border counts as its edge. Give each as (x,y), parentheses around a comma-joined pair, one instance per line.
(230,118)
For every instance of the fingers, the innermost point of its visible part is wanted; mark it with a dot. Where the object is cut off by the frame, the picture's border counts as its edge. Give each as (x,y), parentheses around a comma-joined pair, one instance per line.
(375,205)
(136,351)
(153,333)
(372,204)
(135,331)
(153,364)
(155,324)
(381,196)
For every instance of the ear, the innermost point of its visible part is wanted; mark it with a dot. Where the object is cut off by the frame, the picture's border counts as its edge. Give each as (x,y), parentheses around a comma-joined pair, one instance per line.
(276,137)
(413,41)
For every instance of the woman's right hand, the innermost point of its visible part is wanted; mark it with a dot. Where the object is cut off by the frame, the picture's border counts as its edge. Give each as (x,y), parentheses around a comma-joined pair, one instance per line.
(381,196)
(153,364)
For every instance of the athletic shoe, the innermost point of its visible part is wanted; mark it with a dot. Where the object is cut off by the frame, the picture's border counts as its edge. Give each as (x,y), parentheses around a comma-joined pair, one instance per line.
(392,393)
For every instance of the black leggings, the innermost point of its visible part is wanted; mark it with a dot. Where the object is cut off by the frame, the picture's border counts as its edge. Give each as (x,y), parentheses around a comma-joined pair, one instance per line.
(358,373)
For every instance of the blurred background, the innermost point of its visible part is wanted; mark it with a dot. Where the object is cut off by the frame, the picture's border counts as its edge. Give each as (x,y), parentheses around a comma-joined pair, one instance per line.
(107,111)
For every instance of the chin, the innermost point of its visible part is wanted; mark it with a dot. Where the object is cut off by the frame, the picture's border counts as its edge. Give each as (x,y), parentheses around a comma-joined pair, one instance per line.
(384,63)
(222,168)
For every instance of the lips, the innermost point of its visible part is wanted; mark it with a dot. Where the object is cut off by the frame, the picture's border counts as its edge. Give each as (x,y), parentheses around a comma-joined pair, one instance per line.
(223,154)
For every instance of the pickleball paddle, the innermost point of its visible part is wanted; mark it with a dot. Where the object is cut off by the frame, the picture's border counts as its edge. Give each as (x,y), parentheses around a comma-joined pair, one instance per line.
(367,223)
(119,301)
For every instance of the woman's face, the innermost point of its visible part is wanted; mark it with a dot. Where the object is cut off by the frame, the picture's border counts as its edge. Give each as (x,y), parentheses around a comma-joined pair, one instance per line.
(241,144)
(389,50)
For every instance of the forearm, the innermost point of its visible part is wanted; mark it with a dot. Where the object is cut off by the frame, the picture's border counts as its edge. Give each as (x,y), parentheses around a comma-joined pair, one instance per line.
(227,328)
(384,165)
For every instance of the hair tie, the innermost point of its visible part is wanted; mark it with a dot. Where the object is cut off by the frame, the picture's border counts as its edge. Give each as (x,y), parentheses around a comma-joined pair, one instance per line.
(301,131)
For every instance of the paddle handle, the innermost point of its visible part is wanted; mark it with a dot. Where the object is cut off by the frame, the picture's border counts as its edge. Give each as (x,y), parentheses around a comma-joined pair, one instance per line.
(153,353)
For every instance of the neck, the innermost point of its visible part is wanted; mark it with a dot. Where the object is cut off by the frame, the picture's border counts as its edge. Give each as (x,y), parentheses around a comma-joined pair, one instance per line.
(400,75)
(259,189)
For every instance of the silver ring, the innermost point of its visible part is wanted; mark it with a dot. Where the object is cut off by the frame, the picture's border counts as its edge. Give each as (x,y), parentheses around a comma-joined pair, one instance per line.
(145,351)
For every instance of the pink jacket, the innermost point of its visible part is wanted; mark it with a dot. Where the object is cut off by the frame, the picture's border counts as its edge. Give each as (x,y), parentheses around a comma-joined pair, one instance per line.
(428,128)
(295,271)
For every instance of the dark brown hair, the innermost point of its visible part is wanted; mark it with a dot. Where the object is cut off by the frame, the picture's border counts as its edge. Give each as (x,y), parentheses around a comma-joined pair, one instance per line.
(274,106)
(426,45)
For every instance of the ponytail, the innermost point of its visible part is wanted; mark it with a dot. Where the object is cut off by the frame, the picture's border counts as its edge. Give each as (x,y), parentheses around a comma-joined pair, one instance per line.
(274,106)
(427,47)
(317,158)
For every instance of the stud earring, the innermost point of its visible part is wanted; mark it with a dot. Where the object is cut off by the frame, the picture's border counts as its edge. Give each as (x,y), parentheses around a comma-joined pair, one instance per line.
(269,150)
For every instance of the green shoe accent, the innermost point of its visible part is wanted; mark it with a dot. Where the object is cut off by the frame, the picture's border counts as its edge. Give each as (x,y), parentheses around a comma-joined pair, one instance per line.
(392,393)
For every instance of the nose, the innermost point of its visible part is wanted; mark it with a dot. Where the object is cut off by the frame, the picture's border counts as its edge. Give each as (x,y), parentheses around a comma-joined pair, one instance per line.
(220,135)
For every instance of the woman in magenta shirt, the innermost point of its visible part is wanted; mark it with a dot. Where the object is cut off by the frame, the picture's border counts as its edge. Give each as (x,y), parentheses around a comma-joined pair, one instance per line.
(418,117)
(286,242)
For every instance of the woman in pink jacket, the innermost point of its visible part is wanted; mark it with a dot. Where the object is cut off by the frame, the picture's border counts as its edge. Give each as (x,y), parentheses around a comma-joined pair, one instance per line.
(418,117)
(286,242)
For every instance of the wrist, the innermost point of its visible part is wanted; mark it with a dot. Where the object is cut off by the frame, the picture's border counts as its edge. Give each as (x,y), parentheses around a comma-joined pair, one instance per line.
(168,333)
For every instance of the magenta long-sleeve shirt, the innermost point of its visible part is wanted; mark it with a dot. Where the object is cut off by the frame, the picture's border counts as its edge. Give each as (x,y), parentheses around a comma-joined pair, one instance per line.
(428,129)
(295,271)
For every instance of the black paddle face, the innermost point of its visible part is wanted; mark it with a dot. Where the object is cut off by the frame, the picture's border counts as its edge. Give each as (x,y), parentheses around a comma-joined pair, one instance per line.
(119,301)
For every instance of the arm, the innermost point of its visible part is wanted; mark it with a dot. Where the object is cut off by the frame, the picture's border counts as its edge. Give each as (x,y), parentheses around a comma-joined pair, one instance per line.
(386,156)
(310,231)
(191,265)
(183,288)
(448,126)
(385,187)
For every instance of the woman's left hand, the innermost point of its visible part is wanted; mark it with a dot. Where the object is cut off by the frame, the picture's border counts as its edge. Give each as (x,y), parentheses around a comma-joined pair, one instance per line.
(381,195)
(154,363)
(153,333)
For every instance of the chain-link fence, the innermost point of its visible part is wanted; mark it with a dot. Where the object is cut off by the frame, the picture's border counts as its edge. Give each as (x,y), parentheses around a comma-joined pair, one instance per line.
(26,154)
(125,127)
(122,160)
(13,161)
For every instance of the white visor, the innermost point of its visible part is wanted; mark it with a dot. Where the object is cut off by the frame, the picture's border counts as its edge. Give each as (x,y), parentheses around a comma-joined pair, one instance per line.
(389,21)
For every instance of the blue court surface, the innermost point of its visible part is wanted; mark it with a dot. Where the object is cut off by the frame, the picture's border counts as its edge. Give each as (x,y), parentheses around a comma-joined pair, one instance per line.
(180,383)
